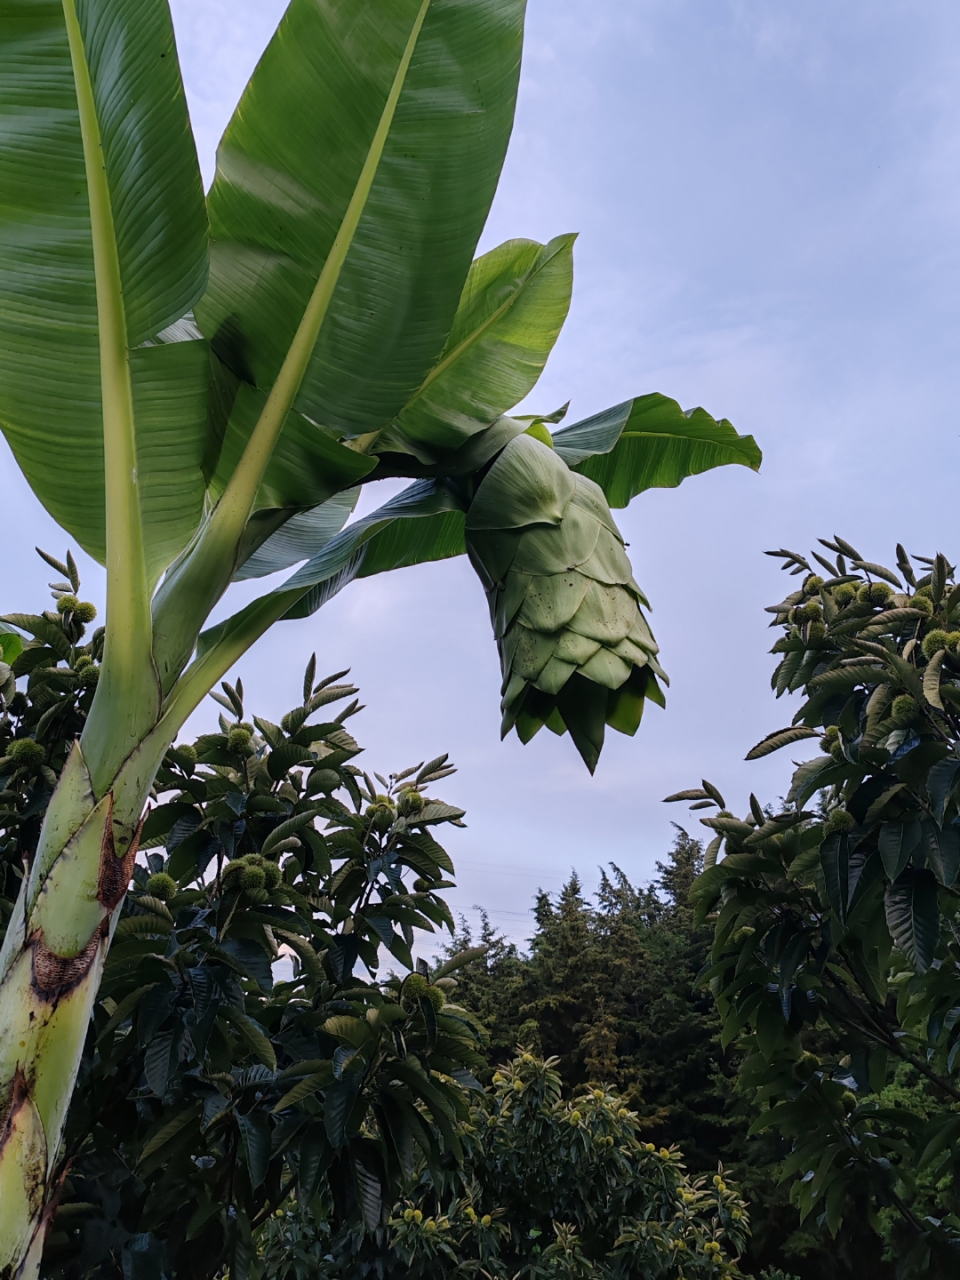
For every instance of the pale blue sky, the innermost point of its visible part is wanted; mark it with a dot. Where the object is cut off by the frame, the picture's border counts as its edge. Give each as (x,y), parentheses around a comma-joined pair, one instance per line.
(767,198)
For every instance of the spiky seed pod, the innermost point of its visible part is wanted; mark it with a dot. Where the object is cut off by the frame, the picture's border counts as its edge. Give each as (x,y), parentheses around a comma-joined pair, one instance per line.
(26,753)
(953,640)
(810,612)
(934,641)
(807,1065)
(844,594)
(83,662)
(840,820)
(85,611)
(812,584)
(253,878)
(231,874)
(874,593)
(830,736)
(186,752)
(239,739)
(271,874)
(816,630)
(88,677)
(414,986)
(904,709)
(420,885)
(162,886)
(381,814)
(411,802)
(436,996)
(67,604)
(575,649)
(922,604)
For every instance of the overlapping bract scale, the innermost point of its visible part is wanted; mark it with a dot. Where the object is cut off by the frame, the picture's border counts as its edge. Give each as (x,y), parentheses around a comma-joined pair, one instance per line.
(575,648)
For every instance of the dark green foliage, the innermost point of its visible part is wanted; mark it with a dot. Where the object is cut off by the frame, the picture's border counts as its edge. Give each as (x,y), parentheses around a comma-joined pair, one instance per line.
(549,1188)
(38,724)
(656,1036)
(209,1090)
(836,960)
(610,990)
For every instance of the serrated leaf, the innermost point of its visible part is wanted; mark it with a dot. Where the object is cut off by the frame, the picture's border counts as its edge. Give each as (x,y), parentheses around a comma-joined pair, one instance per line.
(711,853)
(781,738)
(833,863)
(878,571)
(942,847)
(170,1130)
(843,678)
(138,926)
(355,1031)
(437,812)
(306,1087)
(338,1103)
(257,1139)
(913,916)
(283,758)
(931,679)
(158,1061)
(940,782)
(50,633)
(878,805)
(369,1194)
(254,1034)
(288,828)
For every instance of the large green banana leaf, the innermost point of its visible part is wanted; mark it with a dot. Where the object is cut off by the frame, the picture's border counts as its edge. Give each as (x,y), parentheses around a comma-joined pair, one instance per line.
(288,167)
(512,309)
(50,393)
(424,522)
(513,306)
(307,466)
(648,443)
(300,537)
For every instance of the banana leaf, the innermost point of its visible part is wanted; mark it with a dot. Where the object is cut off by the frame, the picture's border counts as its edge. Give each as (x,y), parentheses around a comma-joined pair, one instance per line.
(651,443)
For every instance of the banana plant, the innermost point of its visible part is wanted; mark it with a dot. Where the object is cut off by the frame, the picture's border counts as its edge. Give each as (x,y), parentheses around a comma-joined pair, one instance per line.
(196,387)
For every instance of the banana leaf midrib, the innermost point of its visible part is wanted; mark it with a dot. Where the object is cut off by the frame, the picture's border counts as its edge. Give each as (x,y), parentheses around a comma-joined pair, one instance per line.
(181,610)
(126,571)
(250,469)
(679,435)
(476,334)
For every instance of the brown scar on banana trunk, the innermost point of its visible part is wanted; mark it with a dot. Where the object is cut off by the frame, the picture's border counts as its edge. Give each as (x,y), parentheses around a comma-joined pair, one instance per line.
(55,976)
(19,1095)
(115,872)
